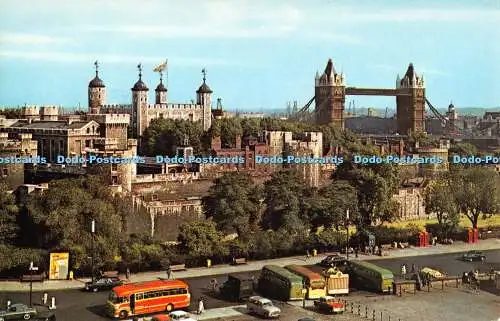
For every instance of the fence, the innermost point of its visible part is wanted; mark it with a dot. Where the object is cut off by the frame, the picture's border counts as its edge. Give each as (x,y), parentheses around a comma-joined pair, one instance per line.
(368,313)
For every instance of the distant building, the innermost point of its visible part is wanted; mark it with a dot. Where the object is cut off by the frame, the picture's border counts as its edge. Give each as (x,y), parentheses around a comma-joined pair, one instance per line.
(18,146)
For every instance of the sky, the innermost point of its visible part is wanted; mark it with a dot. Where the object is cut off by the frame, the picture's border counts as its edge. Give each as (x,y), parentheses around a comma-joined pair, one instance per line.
(258,54)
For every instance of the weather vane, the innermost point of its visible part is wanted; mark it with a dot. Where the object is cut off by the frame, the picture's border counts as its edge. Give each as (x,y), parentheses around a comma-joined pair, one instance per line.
(204,72)
(96,64)
(139,66)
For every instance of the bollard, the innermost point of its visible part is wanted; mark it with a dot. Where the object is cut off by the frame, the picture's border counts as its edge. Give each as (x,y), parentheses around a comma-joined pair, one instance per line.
(366,312)
(209,263)
(373,315)
(52,303)
(352,307)
(71,275)
(389,318)
(381,317)
(45,298)
(315,252)
(359,309)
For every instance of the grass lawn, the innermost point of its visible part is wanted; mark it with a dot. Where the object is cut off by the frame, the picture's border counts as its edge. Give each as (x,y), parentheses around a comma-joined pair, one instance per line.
(464,221)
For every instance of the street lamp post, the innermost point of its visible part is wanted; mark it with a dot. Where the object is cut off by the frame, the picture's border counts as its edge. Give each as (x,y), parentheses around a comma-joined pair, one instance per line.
(347,232)
(32,268)
(92,231)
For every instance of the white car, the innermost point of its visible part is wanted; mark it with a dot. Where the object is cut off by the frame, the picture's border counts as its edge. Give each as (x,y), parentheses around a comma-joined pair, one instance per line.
(262,307)
(173,316)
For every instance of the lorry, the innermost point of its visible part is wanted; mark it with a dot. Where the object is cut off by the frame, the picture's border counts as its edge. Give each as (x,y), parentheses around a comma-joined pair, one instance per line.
(336,282)
(237,288)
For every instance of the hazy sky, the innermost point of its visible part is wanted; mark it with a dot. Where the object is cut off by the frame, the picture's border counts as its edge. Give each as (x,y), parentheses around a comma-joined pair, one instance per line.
(258,54)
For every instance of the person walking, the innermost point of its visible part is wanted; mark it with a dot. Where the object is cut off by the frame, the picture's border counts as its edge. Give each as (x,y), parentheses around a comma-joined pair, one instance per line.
(127,274)
(201,306)
(169,272)
(403,271)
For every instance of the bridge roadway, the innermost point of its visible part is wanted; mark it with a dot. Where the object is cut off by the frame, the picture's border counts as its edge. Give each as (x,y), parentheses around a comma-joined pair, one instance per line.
(78,305)
(354,91)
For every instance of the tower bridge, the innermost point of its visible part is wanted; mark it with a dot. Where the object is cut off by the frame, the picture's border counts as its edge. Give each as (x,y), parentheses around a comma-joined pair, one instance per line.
(330,93)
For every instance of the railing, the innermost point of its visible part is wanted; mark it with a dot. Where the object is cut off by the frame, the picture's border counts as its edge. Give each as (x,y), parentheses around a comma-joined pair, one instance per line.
(366,312)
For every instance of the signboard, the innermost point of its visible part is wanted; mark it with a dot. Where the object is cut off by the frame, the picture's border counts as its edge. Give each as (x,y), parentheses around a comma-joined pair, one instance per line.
(59,266)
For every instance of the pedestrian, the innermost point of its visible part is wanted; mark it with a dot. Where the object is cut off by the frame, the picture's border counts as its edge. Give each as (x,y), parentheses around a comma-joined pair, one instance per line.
(201,306)
(169,272)
(308,255)
(127,274)
(403,271)
(356,252)
(413,268)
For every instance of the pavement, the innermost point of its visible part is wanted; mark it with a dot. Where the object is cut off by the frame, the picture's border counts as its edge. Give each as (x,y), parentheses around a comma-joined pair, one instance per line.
(483,245)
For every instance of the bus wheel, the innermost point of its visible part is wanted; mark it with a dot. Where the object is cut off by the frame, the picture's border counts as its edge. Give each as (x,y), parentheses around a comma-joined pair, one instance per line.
(123,314)
(169,308)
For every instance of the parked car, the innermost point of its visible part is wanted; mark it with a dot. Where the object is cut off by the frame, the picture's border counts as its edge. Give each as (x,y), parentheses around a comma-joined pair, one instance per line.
(329,304)
(306,319)
(104,283)
(174,316)
(18,311)
(262,307)
(333,260)
(474,256)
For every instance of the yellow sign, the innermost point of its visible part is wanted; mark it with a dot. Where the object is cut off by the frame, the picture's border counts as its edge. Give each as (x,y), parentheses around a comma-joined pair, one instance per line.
(59,266)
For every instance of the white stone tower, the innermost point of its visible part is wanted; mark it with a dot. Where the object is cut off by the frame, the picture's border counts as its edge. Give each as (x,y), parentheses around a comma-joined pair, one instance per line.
(97,92)
(204,98)
(140,105)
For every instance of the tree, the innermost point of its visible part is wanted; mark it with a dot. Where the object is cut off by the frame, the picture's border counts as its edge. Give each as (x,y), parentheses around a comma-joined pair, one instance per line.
(375,184)
(8,216)
(437,200)
(201,239)
(62,219)
(476,191)
(328,207)
(233,203)
(463,149)
(285,208)
(163,136)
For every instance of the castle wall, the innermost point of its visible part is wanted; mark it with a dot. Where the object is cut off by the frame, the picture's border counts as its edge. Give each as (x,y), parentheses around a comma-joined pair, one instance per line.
(22,145)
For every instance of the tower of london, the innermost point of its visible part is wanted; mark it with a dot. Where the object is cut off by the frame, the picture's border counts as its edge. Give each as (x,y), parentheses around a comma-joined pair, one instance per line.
(142,112)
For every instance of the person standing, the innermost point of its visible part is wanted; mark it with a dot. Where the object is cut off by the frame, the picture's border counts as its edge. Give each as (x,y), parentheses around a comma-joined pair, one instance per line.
(403,271)
(127,274)
(201,306)
(169,272)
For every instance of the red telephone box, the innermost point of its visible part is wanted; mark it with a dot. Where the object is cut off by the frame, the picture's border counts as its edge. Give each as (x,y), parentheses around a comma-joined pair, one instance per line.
(420,239)
(476,235)
(426,239)
(470,236)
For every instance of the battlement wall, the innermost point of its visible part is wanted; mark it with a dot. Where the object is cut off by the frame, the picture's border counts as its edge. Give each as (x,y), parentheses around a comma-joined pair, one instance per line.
(174,106)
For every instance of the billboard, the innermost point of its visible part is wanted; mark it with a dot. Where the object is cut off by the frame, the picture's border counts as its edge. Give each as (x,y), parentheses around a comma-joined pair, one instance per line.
(59,265)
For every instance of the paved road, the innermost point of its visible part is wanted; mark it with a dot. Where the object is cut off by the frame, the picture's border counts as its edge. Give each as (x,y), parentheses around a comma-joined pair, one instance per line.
(79,305)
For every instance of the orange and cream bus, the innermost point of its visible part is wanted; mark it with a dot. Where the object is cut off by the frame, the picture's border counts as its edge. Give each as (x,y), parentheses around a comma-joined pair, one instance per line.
(314,282)
(148,297)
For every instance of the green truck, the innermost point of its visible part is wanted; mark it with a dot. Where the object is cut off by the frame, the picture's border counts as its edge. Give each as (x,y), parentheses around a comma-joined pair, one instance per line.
(371,276)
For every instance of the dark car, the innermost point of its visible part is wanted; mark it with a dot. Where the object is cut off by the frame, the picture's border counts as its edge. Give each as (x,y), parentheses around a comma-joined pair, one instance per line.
(473,256)
(333,260)
(306,319)
(104,283)
(18,311)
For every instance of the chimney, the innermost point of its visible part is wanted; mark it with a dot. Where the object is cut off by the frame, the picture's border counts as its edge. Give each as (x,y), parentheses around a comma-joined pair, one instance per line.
(216,143)
(238,142)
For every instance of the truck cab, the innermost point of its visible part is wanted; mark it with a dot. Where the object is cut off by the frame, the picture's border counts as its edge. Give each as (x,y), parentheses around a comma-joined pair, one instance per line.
(237,288)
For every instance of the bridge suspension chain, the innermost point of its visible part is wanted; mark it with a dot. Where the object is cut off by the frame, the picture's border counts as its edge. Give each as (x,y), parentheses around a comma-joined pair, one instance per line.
(444,119)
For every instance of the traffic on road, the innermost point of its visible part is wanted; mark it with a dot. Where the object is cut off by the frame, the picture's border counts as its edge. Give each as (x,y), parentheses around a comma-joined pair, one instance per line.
(262,289)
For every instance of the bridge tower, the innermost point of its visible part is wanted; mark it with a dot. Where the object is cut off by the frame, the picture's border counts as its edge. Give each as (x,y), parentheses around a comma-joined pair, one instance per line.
(330,97)
(410,102)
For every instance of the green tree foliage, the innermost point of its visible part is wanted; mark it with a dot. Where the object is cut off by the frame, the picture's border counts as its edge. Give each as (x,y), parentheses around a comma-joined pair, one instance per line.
(12,113)
(476,191)
(375,184)
(8,216)
(62,216)
(284,198)
(142,252)
(463,149)
(438,200)
(328,207)
(163,136)
(234,203)
(201,239)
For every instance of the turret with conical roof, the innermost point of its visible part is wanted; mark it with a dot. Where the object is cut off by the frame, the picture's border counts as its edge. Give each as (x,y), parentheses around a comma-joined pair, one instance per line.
(161,91)
(140,106)
(204,98)
(96,92)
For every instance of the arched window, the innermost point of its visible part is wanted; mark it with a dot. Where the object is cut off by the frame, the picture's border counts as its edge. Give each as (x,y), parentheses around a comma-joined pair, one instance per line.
(88,130)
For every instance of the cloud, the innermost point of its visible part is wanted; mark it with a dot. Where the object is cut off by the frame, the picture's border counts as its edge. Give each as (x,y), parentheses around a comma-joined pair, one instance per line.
(32,39)
(69,57)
